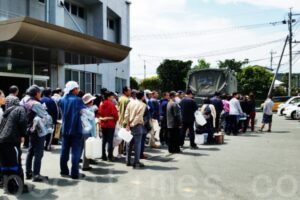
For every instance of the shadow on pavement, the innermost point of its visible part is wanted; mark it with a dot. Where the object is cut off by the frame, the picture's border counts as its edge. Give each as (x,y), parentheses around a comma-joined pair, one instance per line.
(280,132)
(39,194)
(160,159)
(160,168)
(62,182)
(193,154)
(208,149)
(101,179)
(100,171)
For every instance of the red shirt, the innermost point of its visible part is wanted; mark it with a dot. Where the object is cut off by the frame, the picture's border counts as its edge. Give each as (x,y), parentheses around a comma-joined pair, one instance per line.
(108,109)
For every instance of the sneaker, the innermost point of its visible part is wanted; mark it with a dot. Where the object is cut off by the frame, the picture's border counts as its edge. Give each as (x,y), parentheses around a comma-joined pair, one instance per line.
(93,162)
(194,146)
(138,166)
(128,164)
(104,158)
(64,175)
(87,169)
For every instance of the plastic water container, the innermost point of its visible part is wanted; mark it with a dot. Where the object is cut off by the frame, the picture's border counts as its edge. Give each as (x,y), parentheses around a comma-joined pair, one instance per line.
(93,148)
(201,139)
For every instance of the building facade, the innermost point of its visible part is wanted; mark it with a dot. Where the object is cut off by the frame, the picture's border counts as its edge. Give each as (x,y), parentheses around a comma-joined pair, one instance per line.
(86,40)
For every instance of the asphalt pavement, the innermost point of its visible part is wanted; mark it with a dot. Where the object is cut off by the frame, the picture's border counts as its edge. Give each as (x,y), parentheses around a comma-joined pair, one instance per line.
(252,166)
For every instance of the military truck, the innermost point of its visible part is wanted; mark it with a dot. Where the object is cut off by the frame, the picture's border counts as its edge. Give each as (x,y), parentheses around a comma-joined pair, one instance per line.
(205,82)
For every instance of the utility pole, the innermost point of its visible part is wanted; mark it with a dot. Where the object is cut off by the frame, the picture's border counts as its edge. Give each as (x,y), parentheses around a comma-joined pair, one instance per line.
(291,51)
(271,61)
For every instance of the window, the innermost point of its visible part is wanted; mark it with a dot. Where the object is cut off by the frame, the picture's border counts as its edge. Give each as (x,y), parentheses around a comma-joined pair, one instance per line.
(111,24)
(75,76)
(98,83)
(120,83)
(67,5)
(68,58)
(74,9)
(81,12)
(82,81)
(42,1)
(68,75)
(75,59)
(88,82)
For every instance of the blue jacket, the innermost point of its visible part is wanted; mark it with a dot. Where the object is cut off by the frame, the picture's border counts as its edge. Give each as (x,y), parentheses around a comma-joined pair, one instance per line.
(51,108)
(163,107)
(154,108)
(71,107)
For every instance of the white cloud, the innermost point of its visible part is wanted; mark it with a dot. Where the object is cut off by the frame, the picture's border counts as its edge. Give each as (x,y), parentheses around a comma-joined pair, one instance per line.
(172,16)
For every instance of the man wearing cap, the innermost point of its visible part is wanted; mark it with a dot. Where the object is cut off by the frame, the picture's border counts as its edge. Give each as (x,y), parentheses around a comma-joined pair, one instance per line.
(71,106)
(188,108)
(36,142)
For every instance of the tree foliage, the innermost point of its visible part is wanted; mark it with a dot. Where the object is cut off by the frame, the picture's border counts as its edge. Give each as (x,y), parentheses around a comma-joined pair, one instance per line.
(254,79)
(133,83)
(152,83)
(232,64)
(202,64)
(173,74)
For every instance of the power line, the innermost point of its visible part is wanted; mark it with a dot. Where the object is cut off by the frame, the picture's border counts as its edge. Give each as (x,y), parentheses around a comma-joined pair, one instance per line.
(202,32)
(217,52)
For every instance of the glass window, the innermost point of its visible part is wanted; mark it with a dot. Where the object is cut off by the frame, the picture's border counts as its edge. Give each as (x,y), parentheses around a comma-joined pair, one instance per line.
(68,75)
(81,12)
(68,58)
(98,83)
(88,82)
(75,59)
(111,24)
(82,81)
(75,76)
(82,60)
(42,1)
(67,5)
(74,9)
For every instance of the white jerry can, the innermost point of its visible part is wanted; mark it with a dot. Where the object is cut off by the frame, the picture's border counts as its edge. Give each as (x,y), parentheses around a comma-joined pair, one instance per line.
(93,148)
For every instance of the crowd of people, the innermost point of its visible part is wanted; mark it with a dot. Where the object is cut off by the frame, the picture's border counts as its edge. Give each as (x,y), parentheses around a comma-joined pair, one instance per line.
(32,120)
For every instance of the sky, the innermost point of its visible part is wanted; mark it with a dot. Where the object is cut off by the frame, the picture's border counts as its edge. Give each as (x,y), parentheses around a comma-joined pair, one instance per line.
(213,30)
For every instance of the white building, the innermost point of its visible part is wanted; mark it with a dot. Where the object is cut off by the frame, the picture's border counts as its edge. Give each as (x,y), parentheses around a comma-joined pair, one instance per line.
(49,42)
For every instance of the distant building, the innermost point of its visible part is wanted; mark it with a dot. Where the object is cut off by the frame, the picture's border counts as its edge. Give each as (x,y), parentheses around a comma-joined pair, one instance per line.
(49,42)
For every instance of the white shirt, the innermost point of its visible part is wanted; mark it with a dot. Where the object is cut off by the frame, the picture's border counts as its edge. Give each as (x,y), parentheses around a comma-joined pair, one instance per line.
(268,107)
(235,107)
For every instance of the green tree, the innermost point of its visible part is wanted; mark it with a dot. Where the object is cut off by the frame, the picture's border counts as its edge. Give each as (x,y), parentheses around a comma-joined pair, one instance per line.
(173,74)
(133,83)
(151,83)
(202,64)
(254,79)
(232,64)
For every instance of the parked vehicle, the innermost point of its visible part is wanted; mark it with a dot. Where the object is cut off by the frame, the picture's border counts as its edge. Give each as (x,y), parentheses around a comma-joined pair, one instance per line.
(277,101)
(290,111)
(291,101)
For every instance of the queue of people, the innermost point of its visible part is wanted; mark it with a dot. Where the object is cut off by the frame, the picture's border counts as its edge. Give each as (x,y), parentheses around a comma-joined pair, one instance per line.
(33,119)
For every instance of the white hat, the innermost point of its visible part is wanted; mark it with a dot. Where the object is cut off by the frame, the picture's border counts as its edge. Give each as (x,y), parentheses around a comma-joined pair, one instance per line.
(87,98)
(71,85)
(148,91)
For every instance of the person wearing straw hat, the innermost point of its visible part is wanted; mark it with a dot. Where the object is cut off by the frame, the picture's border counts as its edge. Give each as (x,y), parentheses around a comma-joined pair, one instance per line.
(89,115)
(71,106)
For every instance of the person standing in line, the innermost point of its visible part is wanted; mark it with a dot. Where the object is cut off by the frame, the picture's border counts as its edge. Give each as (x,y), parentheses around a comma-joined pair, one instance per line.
(252,105)
(12,129)
(218,104)
(53,112)
(88,114)
(109,118)
(123,102)
(179,96)
(267,114)
(209,112)
(174,123)
(13,95)
(235,111)
(188,108)
(153,105)
(34,108)
(71,106)
(225,101)
(163,134)
(134,118)
(246,109)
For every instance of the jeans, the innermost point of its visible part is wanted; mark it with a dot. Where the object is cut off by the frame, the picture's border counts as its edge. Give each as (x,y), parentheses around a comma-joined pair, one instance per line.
(137,132)
(49,139)
(108,138)
(70,142)
(36,150)
(190,126)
